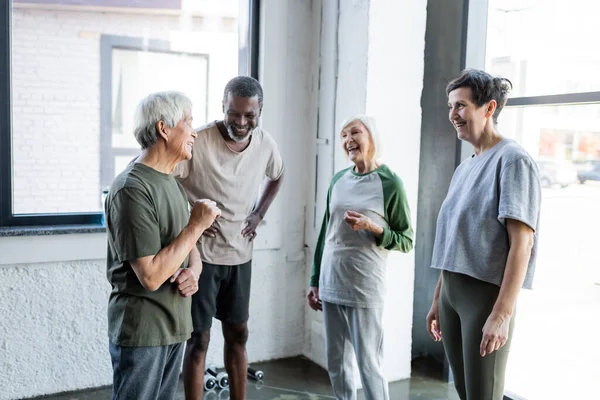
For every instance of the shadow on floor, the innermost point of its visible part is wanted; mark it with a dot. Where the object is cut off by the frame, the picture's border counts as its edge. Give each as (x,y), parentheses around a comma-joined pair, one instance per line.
(298,378)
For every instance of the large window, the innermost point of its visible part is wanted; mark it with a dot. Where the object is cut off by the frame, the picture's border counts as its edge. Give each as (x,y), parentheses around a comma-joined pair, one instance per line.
(548,50)
(131,69)
(72,73)
(545,47)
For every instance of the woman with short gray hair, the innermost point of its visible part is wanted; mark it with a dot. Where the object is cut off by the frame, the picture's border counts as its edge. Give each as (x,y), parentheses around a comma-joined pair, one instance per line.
(367,215)
(152,261)
(485,241)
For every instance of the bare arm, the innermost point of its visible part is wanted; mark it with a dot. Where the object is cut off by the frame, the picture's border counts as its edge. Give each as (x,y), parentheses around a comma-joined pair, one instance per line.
(520,237)
(153,271)
(268,195)
(438,287)
(495,330)
(195,262)
(433,316)
(264,202)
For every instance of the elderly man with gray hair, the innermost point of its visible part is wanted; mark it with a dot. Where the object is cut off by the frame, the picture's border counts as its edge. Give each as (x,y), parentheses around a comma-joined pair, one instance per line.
(153,264)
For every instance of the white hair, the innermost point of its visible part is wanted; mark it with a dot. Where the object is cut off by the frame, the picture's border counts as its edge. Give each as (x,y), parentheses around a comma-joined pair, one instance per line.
(169,107)
(369,123)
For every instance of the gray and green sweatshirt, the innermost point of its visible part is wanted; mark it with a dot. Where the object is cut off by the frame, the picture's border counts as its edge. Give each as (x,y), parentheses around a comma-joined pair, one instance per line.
(350,266)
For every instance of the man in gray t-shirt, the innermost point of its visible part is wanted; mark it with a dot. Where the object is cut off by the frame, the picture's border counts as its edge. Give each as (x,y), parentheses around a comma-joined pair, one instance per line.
(471,238)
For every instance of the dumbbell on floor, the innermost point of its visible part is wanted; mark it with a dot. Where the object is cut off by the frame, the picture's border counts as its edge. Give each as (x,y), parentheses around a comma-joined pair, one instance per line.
(221,377)
(257,375)
(209,382)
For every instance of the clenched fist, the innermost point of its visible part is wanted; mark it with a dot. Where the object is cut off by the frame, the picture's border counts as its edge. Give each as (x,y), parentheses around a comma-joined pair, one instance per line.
(204,212)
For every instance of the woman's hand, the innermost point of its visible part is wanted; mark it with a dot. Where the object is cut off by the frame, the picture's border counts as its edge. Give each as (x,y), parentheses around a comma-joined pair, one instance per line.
(495,333)
(433,322)
(314,301)
(357,221)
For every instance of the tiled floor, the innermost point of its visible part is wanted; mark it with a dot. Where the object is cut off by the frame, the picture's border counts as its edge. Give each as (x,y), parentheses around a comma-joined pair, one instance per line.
(299,379)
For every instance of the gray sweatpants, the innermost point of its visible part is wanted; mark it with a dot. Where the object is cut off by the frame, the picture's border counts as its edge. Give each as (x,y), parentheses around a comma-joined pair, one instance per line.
(350,331)
(148,373)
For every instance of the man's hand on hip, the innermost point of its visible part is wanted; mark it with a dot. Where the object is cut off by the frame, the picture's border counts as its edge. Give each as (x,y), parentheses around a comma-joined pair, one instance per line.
(251,222)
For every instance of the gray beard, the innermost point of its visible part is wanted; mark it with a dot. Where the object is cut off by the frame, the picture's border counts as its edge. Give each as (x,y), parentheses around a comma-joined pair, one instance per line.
(236,138)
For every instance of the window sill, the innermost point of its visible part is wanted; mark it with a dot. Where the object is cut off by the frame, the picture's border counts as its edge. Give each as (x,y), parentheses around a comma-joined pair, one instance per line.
(50,230)
(49,244)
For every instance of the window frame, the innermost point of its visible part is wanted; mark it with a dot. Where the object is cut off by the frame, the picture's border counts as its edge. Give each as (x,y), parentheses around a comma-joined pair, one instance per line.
(108,43)
(476,57)
(248,65)
(476,48)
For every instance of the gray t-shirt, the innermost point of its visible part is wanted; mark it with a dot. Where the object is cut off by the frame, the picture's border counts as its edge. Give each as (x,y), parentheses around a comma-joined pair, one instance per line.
(471,236)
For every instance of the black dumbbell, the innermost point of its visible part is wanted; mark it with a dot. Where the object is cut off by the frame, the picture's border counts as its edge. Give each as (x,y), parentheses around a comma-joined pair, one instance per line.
(256,375)
(209,382)
(221,377)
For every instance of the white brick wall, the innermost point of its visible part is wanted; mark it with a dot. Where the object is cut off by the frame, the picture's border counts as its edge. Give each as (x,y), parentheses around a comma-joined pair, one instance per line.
(56,97)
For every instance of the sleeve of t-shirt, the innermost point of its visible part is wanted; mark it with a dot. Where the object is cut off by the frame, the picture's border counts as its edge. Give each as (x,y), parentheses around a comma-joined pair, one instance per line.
(316,266)
(520,193)
(133,225)
(400,234)
(275,162)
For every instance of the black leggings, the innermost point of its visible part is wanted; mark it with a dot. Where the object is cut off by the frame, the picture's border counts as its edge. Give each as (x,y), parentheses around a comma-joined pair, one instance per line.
(465,304)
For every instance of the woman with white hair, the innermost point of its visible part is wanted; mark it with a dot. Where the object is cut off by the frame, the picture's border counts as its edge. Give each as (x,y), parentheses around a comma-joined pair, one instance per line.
(367,215)
(153,264)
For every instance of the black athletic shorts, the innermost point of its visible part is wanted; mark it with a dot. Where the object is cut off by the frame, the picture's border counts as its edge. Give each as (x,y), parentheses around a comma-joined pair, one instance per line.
(223,293)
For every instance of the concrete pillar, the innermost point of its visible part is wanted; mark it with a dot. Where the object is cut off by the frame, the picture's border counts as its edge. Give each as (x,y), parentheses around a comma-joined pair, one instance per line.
(373,63)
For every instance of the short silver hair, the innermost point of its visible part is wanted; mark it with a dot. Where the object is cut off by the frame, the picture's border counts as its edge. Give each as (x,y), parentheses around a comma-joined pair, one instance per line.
(169,107)
(369,123)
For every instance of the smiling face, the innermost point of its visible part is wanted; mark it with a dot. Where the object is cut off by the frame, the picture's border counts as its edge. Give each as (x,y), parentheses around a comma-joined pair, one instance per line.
(241,116)
(181,137)
(468,119)
(357,142)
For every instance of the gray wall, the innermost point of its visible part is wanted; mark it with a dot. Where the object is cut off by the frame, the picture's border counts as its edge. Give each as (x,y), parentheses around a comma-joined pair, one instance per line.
(445,40)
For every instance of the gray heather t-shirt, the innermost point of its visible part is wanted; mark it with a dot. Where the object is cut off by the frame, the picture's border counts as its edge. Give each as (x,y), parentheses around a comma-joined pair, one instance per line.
(471,236)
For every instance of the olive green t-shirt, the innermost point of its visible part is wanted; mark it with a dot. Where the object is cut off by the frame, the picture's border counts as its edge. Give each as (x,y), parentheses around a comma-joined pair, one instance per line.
(145,211)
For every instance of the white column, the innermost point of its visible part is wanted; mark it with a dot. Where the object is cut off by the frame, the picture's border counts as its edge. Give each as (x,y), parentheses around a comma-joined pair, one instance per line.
(377,58)
(394,87)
